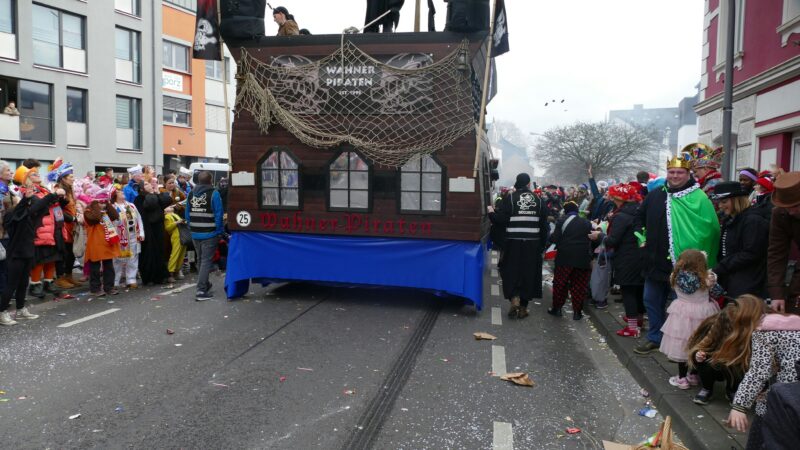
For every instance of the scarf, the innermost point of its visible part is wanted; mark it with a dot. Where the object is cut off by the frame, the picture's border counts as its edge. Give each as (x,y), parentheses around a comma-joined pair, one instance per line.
(110,231)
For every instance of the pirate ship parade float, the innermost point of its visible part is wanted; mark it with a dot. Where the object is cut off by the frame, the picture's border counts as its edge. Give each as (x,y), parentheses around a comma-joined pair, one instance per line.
(357,159)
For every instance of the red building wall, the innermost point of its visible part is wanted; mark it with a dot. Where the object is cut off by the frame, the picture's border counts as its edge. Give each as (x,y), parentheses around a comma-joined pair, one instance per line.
(762,43)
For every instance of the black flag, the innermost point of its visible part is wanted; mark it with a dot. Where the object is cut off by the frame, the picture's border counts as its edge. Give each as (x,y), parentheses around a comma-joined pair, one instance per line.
(431,16)
(207,41)
(500,37)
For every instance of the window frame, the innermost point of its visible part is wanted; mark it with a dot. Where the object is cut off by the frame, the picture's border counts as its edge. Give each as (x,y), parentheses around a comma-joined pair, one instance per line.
(175,111)
(135,116)
(174,45)
(13,16)
(260,180)
(181,4)
(61,44)
(225,67)
(722,34)
(370,182)
(136,8)
(134,54)
(84,106)
(214,130)
(23,116)
(442,191)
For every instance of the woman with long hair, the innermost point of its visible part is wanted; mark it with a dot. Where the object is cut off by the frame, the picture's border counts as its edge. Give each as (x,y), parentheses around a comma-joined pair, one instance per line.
(65,179)
(742,259)
(703,346)
(767,345)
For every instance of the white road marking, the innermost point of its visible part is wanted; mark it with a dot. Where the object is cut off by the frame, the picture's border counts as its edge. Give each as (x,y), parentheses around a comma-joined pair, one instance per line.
(494,253)
(495,290)
(498,360)
(177,289)
(87,318)
(503,436)
(494,260)
(497,318)
(494,273)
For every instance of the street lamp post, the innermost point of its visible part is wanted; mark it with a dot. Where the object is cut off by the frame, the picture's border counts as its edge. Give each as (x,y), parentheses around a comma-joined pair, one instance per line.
(727,106)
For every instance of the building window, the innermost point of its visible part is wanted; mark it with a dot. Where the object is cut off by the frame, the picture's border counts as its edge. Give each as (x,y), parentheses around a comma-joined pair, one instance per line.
(722,30)
(421,185)
(132,7)
(191,5)
(8,29)
(215,118)
(58,39)
(216,69)
(35,105)
(177,111)
(349,183)
(77,132)
(176,56)
(7,16)
(76,105)
(791,10)
(128,55)
(280,180)
(129,123)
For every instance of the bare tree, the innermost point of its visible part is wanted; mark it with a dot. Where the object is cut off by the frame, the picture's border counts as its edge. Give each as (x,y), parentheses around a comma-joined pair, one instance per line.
(503,129)
(612,150)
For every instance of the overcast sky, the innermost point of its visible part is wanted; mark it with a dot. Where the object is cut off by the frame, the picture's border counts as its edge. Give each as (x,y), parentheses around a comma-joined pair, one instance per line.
(597,55)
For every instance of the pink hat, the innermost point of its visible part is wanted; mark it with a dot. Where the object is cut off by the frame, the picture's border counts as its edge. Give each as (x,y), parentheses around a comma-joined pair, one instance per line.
(103,195)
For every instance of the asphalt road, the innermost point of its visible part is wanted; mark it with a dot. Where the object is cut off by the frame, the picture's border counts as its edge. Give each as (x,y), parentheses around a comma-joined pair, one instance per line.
(303,366)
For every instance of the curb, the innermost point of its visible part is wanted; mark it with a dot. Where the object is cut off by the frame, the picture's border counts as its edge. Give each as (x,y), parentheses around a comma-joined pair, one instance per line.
(697,431)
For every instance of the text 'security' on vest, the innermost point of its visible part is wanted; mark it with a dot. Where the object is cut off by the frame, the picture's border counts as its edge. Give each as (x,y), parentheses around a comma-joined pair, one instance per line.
(201,214)
(525,217)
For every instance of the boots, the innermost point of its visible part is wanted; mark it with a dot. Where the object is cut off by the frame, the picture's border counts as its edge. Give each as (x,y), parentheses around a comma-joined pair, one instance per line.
(522,312)
(36,290)
(512,313)
(63,283)
(51,287)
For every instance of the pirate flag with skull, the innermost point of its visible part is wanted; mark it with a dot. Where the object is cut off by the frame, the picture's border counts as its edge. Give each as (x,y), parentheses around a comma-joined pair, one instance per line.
(207,41)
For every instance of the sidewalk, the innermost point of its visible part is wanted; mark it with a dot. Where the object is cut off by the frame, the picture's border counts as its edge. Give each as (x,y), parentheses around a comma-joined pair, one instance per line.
(700,426)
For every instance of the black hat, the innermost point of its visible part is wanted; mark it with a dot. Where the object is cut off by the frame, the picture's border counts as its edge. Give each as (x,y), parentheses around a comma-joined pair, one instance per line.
(729,189)
(523,180)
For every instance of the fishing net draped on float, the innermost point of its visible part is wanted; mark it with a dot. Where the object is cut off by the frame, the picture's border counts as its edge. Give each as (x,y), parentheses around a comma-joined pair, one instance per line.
(390,108)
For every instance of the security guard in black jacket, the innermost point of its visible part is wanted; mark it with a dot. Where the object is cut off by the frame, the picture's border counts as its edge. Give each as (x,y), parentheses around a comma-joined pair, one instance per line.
(525,217)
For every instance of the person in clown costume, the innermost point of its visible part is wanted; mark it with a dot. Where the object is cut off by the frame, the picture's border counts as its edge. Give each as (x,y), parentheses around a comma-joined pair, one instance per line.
(131,233)
(673,218)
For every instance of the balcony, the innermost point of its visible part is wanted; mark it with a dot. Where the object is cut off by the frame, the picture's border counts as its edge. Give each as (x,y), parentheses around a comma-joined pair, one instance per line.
(9,127)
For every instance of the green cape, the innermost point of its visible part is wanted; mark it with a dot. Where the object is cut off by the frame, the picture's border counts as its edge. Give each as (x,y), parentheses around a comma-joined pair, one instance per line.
(692,224)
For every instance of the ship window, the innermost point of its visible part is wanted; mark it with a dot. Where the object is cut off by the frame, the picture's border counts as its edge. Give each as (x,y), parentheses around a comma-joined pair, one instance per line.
(421,186)
(349,183)
(280,180)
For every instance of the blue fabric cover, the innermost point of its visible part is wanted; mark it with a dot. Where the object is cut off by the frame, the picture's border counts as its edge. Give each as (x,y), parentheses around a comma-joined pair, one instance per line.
(454,267)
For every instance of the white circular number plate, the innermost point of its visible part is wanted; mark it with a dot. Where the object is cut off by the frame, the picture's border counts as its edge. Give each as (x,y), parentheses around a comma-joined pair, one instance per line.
(243,219)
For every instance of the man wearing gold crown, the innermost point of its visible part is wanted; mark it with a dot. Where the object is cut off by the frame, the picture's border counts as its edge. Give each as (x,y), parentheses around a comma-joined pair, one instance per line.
(677,217)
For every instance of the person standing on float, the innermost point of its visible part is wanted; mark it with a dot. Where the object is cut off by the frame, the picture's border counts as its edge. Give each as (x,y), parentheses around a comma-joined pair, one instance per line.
(524,215)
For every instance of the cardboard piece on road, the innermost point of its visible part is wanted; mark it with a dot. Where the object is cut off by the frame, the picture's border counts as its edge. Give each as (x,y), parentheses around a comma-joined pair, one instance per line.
(481,336)
(519,378)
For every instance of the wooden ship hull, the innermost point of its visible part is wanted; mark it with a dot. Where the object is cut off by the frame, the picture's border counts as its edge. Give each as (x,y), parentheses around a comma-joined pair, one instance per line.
(346,213)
